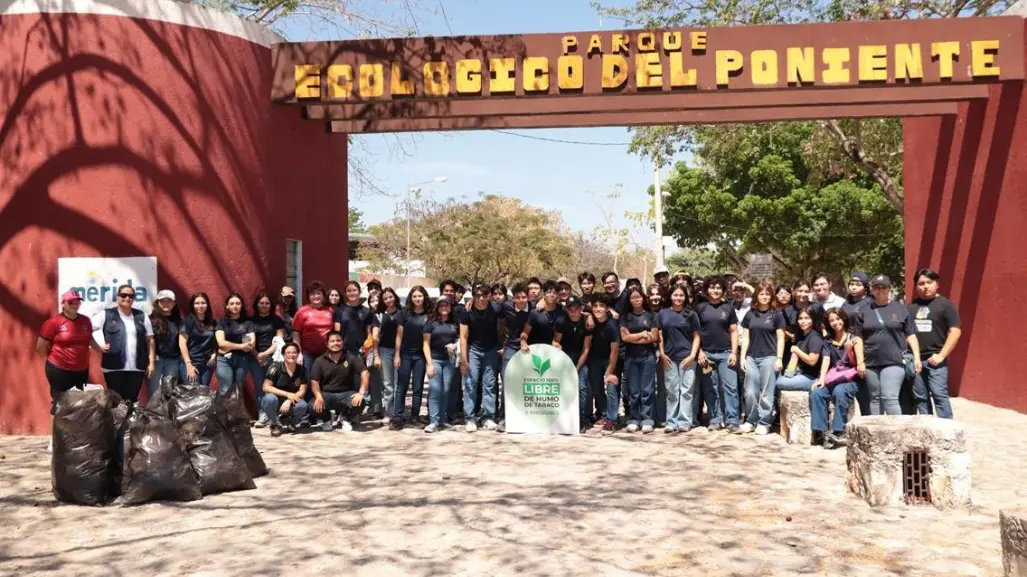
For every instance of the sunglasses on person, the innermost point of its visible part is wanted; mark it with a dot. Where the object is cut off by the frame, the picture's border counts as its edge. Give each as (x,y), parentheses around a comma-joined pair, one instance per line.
(126,295)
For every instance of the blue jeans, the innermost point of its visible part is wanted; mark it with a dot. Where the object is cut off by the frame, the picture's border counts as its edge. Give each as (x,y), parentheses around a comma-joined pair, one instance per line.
(308,363)
(819,400)
(165,368)
(640,374)
(412,364)
(885,385)
(203,373)
(508,353)
(484,366)
(269,404)
(796,382)
(438,392)
(681,397)
(388,374)
(584,393)
(760,376)
(257,373)
(933,384)
(597,393)
(720,389)
(231,370)
(340,403)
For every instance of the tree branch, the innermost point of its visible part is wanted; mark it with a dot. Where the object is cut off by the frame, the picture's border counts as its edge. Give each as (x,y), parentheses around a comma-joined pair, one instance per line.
(854,150)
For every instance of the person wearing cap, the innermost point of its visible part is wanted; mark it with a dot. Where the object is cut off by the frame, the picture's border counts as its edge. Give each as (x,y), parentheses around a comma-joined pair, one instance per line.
(440,338)
(572,335)
(166,321)
(887,329)
(662,277)
(286,309)
(65,339)
(563,290)
(130,354)
(479,357)
(858,299)
(937,331)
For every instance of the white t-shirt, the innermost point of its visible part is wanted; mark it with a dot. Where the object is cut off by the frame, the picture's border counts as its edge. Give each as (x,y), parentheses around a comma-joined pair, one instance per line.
(833,302)
(130,336)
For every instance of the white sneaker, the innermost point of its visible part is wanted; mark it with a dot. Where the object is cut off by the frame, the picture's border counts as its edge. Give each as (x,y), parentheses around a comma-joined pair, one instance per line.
(347,427)
(471,427)
(327,425)
(745,428)
(431,428)
(632,427)
(762,430)
(490,425)
(386,421)
(261,421)
(646,429)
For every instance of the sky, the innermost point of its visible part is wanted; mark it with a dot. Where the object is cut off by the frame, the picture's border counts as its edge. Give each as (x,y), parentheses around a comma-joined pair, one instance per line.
(561,176)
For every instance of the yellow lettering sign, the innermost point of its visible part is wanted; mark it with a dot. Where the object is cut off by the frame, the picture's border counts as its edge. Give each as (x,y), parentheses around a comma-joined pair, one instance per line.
(679,77)
(873,63)
(764,67)
(728,62)
(837,71)
(504,76)
(698,41)
(801,66)
(401,85)
(648,70)
(671,41)
(982,58)
(571,73)
(615,71)
(436,78)
(340,81)
(619,43)
(946,53)
(646,42)
(595,45)
(909,64)
(570,43)
(536,74)
(468,76)
(308,81)
(371,84)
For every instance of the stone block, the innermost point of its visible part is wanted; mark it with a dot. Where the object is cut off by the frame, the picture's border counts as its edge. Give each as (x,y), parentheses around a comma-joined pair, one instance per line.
(1014,542)
(877,446)
(793,408)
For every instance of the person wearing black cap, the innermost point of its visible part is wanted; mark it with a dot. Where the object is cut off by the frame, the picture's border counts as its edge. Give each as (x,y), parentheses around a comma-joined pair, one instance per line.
(887,329)
(573,337)
(858,299)
(938,331)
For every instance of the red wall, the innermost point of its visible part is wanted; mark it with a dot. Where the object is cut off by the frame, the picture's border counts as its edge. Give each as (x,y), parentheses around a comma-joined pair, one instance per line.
(130,137)
(966,217)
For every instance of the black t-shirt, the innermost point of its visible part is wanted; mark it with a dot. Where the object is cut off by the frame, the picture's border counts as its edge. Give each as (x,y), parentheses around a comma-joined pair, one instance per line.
(676,330)
(603,336)
(482,326)
(543,325)
(620,303)
(266,328)
(442,334)
(791,316)
(235,329)
(836,353)
(283,381)
(413,331)
(354,321)
(855,311)
(572,336)
(639,323)
(811,342)
(200,341)
(338,377)
(884,345)
(387,329)
(166,341)
(515,321)
(933,319)
(762,328)
(716,321)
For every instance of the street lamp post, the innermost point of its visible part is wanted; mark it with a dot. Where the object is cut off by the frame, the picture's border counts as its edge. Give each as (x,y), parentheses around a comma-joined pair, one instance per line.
(411,190)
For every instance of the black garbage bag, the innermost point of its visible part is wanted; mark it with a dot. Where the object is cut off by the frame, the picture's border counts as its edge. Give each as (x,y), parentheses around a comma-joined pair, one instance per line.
(237,423)
(195,413)
(83,440)
(155,464)
(158,403)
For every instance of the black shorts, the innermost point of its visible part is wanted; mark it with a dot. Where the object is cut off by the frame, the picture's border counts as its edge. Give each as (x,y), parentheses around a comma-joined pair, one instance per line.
(62,380)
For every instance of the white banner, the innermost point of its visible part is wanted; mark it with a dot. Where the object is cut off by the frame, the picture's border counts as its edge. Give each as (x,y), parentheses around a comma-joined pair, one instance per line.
(97,280)
(541,392)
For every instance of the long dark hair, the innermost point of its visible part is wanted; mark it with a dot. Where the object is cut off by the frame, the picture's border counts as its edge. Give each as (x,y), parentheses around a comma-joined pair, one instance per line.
(242,309)
(410,302)
(345,289)
(636,289)
(160,322)
(261,296)
(450,318)
(381,299)
(670,301)
(208,318)
(288,310)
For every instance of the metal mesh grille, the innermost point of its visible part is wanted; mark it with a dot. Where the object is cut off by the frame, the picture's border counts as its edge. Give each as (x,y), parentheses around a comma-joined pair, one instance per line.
(916,477)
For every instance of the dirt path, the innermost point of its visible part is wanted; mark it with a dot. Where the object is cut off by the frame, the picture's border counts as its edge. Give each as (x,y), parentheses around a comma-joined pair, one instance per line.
(383,503)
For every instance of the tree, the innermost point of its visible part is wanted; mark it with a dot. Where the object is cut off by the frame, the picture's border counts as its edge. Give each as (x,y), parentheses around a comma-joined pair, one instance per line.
(627,244)
(696,262)
(492,239)
(873,146)
(356,223)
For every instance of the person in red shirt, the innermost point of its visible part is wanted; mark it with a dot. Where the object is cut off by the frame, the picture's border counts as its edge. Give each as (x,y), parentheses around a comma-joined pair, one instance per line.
(65,339)
(311,324)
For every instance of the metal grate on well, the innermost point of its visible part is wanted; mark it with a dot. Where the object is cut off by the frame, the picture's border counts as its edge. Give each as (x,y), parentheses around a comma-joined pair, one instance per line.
(916,478)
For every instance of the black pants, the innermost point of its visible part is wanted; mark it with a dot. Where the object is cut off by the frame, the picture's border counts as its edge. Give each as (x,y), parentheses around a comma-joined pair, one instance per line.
(62,380)
(125,383)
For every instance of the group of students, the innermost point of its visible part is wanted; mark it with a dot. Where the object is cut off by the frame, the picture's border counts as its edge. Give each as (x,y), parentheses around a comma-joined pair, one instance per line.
(662,351)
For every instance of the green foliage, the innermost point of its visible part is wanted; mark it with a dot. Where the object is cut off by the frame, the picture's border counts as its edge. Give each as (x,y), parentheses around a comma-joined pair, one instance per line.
(356,223)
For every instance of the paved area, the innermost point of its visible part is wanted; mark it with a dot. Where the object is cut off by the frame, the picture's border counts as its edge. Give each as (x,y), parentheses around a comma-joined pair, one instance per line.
(385,503)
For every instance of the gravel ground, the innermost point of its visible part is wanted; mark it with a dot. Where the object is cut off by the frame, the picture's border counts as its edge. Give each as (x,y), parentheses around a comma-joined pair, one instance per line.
(384,503)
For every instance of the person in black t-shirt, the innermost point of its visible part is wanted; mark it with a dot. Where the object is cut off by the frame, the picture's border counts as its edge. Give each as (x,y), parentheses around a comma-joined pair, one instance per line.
(937,332)
(334,382)
(717,358)
(542,321)
(804,367)
(603,370)
(440,341)
(267,326)
(479,350)
(856,301)
(640,333)
(196,341)
(235,339)
(887,330)
(410,361)
(574,338)
(166,322)
(679,347)
(843,353)
(763,343)
(389,311)
(284,387)
(356,322)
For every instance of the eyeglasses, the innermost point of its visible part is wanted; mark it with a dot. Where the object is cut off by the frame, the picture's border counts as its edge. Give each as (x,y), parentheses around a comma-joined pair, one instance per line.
(127,296)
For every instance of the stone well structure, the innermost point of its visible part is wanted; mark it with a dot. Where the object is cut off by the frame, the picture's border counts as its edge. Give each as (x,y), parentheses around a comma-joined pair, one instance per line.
(908,459)
(1014,542)
(796,420)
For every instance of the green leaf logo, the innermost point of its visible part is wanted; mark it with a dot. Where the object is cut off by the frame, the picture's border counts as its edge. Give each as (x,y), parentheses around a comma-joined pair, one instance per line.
(541,366)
